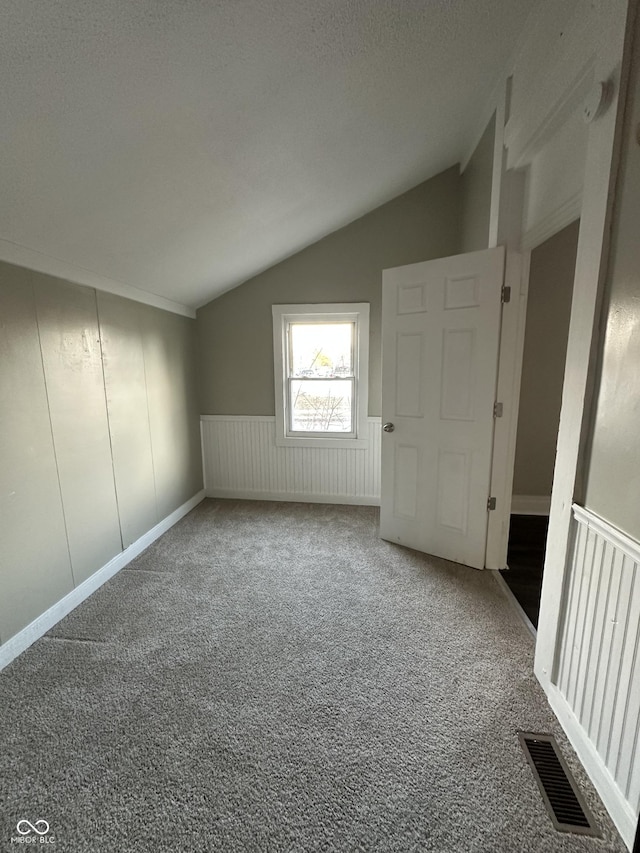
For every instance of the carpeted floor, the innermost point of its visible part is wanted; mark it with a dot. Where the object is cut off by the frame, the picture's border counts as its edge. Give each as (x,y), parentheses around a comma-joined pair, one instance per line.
(273,677)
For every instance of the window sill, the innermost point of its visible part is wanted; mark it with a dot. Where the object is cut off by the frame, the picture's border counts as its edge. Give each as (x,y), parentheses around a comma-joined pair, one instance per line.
(323,443)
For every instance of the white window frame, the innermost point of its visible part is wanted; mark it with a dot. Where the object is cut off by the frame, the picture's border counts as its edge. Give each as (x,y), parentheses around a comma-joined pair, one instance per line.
(353,312)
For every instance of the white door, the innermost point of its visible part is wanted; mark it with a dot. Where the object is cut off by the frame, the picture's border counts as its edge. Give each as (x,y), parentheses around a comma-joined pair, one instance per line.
(440,338)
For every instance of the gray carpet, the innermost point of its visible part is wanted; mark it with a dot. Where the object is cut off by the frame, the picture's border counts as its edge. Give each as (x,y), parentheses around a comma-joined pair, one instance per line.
(273,677)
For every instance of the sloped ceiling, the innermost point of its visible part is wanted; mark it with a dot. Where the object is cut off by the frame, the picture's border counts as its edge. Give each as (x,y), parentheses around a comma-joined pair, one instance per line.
(181,146)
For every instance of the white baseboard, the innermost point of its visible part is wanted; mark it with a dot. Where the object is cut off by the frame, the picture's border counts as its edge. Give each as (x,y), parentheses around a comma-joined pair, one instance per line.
(530,504)
(619,809)
(601,612)
(295,497)
(23,639)
(513,601)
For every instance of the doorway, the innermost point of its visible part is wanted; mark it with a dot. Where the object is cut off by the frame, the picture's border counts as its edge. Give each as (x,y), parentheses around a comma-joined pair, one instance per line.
(551,279)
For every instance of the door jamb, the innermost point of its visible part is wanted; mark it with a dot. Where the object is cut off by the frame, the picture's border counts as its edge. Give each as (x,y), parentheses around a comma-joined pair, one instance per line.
(601,168)
(584,334)
(508,190)
(514,318)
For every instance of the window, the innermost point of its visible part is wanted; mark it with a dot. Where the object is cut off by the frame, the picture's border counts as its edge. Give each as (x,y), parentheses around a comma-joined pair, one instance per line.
(321,374)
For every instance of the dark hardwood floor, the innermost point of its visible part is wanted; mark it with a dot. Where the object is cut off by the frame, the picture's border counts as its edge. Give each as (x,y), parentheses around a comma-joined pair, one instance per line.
(525,558)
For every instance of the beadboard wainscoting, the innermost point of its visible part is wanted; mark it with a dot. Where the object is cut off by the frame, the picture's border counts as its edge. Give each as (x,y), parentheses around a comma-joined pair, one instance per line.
(597,666)
(241,460)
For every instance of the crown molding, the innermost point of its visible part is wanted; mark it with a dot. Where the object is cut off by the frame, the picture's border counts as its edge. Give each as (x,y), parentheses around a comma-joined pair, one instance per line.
(32,259)
(555,221)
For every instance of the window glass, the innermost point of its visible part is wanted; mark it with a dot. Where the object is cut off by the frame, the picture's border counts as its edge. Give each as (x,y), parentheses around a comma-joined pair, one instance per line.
(321,363)
(325,405)
(321,349)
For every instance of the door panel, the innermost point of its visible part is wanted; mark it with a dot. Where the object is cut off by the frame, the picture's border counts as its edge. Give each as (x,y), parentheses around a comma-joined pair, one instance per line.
(440,332)
(409,388)
(453,490)
(458,359)
(406,481)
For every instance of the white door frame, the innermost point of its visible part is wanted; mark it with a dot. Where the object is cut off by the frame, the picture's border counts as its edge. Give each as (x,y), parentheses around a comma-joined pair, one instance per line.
(610,63)
(581,376)
(603,151)
(514,315)
(506,228)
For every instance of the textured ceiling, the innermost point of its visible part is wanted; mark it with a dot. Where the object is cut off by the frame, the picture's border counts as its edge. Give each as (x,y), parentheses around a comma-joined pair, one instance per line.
(181,146)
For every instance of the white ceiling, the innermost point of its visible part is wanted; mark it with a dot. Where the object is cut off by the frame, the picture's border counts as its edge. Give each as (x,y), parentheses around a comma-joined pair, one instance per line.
(181,146)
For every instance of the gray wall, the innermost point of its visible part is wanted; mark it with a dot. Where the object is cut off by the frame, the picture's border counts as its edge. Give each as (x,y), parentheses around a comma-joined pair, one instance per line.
(613,478)
(476,193)
(99,433)
(545,350)
(235,330)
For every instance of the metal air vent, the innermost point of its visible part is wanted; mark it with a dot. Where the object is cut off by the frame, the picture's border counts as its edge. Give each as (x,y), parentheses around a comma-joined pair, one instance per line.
(561,795)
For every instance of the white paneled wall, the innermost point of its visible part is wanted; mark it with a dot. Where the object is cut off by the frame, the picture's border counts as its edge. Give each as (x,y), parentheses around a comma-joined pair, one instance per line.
(597,667)
(241,460)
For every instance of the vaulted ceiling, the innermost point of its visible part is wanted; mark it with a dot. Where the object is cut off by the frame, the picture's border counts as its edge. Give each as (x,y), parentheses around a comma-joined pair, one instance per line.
(181,146)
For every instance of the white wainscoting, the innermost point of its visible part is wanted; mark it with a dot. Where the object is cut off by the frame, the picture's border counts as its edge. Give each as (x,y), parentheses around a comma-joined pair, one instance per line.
(241,460)
(596,674)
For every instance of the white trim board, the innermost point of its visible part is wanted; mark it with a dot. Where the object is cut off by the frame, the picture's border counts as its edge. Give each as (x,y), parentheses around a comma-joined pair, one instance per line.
(38,628)
(514,315)
(491,107)
(613,60)
(530,504)
(618,808)
(295,497)
(593,689)
(523,150)
(266,419)
(513,601)
(554,222)
(500,86)
(22,256)
(621,541)
(354,313)
(224,419)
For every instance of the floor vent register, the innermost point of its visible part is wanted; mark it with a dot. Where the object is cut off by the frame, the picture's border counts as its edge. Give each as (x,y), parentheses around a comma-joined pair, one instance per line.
(562,797)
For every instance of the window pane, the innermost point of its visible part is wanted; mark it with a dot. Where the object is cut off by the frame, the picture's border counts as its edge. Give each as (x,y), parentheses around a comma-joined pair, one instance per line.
(321,349)
(321,406)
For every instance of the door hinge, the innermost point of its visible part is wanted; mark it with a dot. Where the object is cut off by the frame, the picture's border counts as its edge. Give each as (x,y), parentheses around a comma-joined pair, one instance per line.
(491,504)
(497,410)
(506,294)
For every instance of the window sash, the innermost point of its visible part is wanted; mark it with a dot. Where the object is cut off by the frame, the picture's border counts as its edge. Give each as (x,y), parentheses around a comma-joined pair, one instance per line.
(322,322)
(352,378)
(321,433)
(357,315)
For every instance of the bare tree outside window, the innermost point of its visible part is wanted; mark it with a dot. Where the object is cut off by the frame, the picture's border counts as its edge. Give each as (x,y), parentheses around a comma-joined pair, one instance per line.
(321,370)
(321,377)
